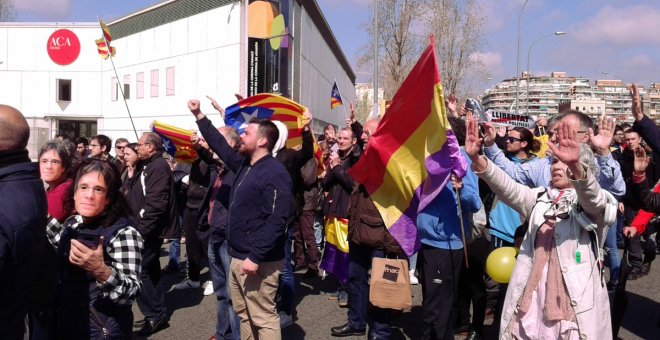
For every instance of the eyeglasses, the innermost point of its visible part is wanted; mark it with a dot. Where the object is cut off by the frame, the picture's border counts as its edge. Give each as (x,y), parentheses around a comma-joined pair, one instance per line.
(97,191)
(139,145)
(554,132)
(512,139)
(51,161)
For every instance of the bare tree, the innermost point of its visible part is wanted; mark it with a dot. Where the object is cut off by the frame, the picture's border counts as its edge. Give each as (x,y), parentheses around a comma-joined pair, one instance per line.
(398,44)
(458,29)
(7,12)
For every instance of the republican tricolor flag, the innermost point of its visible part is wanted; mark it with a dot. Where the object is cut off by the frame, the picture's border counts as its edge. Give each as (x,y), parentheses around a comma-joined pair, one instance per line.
(412,154)
(335,97)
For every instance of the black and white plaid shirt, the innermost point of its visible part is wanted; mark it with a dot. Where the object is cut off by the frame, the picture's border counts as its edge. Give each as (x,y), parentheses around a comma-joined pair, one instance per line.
(125,251)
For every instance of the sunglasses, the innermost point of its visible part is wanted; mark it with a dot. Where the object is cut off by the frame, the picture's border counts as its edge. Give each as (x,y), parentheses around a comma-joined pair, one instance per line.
(512,139)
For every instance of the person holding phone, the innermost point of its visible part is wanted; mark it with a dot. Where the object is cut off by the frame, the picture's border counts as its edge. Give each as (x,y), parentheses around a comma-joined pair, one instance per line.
(98,259)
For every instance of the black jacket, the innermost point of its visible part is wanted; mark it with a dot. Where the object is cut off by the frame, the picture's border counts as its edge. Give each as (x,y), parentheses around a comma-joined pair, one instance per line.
(647,129)
(156,218)
(339,185)
(259,203)
(293,161)
(627,162)
(23,211)
(650,201)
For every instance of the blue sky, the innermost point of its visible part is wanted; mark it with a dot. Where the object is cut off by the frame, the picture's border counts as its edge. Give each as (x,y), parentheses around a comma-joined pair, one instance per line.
(615,36)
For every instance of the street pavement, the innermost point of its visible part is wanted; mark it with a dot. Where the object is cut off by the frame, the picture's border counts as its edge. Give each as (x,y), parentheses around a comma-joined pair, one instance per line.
(193,314)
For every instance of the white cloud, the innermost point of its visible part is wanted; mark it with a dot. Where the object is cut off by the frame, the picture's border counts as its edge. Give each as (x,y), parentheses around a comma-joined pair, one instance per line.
(620,26)
(491,60)
(47,8)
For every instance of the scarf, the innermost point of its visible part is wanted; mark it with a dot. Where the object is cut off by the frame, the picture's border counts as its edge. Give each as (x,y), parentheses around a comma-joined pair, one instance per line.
(557,304)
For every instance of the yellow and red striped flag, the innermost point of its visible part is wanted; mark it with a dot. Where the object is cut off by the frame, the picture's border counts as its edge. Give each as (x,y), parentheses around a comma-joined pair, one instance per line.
(103,46)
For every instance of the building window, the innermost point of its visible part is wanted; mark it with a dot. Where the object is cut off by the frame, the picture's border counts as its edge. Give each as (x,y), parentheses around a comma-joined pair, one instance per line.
(169,81)
(64,90)
(127,86)
(139,85)
(114,89)
(154,83)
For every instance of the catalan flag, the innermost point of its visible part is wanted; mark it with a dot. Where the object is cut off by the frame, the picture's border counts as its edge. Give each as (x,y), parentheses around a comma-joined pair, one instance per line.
(335,97)
(102,49)
(176,141)
(412,154)
(103,44)
(273,107)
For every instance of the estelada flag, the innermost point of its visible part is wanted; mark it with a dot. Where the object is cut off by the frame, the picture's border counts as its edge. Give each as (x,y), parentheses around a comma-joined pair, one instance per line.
(412,154)
(176,141)
(335,97)
(272,107)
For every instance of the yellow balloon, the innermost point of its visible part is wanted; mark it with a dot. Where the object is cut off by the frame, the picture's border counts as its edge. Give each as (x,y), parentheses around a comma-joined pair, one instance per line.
(500,263)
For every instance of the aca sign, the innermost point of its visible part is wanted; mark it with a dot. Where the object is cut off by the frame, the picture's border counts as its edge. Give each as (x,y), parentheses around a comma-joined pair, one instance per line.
(63,47)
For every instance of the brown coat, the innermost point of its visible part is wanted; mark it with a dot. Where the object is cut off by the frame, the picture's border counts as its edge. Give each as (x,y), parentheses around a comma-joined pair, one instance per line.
(365,226)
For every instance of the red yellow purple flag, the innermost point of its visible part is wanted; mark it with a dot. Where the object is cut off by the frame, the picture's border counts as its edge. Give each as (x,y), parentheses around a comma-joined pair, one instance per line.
(412,154)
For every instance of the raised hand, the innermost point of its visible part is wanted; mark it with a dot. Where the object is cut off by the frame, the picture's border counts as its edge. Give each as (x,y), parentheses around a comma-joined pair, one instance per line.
(473,143)
(307,120)
(193,106)
(567,147)
(603,139)
(217,106)
(501,131)
(489,133)
(452,104)
(641,160)
(636,103)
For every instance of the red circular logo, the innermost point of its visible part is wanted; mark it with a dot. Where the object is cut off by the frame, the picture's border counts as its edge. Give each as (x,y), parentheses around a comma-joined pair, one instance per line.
(63,47)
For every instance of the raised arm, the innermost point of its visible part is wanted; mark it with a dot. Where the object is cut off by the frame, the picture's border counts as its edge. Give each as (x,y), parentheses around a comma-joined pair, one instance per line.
(216,141)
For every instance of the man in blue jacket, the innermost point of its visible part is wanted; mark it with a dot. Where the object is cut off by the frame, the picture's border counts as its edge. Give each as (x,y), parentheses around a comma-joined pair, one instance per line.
(260,203)
(23,211)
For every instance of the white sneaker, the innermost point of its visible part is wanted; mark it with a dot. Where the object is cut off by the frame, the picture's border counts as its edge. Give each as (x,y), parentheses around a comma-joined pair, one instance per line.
(208,288)
(186,284)
(413,278)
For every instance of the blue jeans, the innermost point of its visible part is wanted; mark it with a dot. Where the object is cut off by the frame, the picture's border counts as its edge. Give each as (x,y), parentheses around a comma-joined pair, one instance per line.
(287,279)
(228,325)
(612,253)
(620,222)
(175,251)
(413,262)
(358,293)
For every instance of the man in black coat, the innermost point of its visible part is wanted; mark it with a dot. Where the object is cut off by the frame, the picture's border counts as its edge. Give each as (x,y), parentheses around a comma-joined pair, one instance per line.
(23,211)
(155,220)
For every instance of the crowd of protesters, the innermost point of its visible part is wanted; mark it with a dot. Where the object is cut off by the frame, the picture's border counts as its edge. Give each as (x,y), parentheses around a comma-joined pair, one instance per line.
(82,230)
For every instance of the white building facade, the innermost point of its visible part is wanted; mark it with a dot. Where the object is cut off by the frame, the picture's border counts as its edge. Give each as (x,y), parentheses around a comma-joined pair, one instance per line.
(166,55)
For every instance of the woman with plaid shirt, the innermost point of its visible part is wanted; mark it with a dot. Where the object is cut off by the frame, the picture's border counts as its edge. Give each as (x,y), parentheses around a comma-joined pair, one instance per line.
(98,259)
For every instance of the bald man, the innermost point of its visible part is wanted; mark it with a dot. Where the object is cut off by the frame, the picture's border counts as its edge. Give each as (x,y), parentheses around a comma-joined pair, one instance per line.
(23,211)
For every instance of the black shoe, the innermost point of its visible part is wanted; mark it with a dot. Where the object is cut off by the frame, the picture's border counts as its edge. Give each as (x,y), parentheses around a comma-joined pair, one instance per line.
(646,268)
(635,274)
(473,336)
(310,274)
(346,330)
(153,326)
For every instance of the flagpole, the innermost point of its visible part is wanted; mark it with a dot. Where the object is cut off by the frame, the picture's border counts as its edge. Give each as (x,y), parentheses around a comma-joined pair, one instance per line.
(121,88)
(460,218)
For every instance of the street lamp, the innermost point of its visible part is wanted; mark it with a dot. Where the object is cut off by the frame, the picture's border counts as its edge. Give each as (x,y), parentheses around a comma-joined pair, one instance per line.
(620,94)
(529,51)
(518,55)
